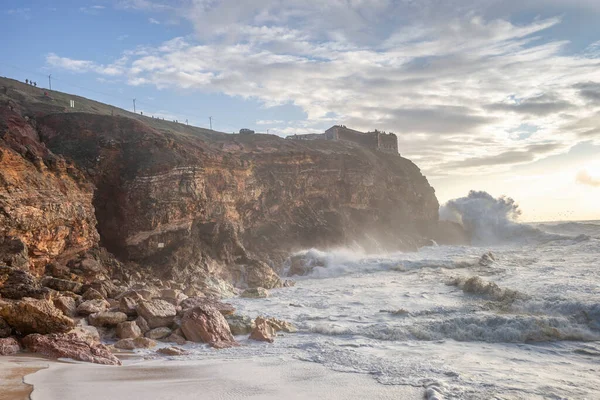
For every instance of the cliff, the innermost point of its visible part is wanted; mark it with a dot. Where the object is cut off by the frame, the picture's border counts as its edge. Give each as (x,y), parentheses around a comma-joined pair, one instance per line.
(185,203)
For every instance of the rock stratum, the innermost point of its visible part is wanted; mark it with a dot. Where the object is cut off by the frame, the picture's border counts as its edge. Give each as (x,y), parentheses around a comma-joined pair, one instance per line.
(187,204)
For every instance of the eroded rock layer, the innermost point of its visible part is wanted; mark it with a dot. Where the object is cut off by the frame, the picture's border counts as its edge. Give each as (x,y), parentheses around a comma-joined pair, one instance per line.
(191,204)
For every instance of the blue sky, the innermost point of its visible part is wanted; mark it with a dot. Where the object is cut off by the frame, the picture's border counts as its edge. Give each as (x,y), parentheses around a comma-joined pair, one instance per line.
(480,92)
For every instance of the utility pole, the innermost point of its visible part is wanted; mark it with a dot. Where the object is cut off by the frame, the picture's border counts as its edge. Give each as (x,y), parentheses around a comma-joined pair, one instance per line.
(210,119)
(50,81)
(134,106)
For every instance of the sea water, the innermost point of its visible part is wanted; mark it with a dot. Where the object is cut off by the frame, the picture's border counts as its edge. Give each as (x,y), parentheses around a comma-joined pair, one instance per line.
(522,322)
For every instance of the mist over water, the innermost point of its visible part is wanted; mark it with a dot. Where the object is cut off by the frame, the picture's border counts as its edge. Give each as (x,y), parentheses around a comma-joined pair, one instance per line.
(491,221)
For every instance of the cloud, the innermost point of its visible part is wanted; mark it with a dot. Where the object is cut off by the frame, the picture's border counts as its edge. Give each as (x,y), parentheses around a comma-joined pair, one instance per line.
(590,91)
(83,66)
(92,10)
(270,122)
(153,21)
(451,79)
(584,178)
(542,105)
(24,13)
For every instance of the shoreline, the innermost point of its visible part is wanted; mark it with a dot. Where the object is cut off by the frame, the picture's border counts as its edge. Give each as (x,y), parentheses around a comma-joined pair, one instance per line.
(13,370)
(249,378)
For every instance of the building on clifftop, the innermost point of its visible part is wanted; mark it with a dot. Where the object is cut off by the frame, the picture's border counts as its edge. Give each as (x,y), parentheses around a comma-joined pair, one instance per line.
(376,140)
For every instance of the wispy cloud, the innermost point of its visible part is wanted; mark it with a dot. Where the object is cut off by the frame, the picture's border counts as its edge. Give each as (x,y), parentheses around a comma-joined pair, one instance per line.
(450,78)
(24,13)
(153,21)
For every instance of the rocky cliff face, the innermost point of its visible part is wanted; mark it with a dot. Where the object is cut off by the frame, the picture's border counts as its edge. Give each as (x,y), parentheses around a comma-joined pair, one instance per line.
(187,204)
(46,211)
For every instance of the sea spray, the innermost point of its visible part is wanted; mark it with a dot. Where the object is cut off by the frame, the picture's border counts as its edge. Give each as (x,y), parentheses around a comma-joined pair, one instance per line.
(490,220)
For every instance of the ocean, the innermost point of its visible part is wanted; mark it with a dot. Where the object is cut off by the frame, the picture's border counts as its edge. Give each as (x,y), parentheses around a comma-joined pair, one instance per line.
(514,316)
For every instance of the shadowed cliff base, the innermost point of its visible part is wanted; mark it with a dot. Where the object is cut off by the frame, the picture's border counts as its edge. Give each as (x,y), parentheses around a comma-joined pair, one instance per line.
(185,203)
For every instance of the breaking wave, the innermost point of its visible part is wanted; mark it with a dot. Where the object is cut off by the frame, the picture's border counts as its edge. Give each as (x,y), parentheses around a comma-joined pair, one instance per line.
(490,220)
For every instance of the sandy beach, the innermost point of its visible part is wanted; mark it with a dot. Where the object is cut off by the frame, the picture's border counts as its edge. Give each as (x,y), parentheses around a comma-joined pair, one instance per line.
(252,378)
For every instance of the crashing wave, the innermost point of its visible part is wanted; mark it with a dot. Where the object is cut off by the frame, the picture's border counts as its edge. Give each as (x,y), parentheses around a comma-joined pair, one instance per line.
(490,220)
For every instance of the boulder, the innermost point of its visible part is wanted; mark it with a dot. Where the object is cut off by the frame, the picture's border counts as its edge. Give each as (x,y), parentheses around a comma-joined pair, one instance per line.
(86,333)
(90,266)
(239,324)
(107,318)
(62,285)
(175,338)
(487,259)
(5,329)
(92,306)
(35,316)
(9,346)
(263,331)
(158,333)
(16,284)
(128,304)
(128,330)
(280,325)
(224,308)
(173,296)
(142,324)
(106,288)
(255,293)
(206,324)
(172,351)
(14,252)
(137,343)
(67,305)
(70,346)
(157,312)
(92,294)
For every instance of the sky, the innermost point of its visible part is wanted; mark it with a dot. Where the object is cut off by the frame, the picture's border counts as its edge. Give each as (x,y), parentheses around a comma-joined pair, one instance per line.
(501,96)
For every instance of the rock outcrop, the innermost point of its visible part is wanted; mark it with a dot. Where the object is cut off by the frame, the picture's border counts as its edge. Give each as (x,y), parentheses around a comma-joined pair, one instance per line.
(206,324)
(70,346)
(9,346)
(191,204)
(35,316)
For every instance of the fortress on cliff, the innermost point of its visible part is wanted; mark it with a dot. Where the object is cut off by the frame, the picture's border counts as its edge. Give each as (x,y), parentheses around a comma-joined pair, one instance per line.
(376,140)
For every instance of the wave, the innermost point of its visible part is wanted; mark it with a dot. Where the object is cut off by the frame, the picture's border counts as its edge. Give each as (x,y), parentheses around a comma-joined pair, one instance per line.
(490,220)
(315,263)
(489,328)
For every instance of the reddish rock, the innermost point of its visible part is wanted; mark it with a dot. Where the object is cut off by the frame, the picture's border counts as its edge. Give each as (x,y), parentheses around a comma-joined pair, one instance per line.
(107,318)
(5,329)
(35,316)
(9,346)
(263,331)
(67,305)
(62,285)
(128,304)
(46,201)
(206,324)
(70,346)
(16,284)
(172,351)
(158,333)
(137,343)
(224,308)
(92,294)
(142,324)
(128,330)
(157,312)
(92,306)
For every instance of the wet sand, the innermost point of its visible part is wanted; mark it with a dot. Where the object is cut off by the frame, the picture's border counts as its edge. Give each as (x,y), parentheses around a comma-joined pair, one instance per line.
(254,378)
(13,369)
